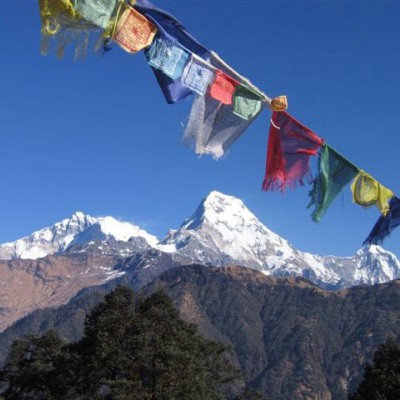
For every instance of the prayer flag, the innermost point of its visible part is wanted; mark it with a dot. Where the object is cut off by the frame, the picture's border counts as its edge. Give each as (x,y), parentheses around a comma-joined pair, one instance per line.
(134,31)
(335,172)
(385,224)
(168,58)
(63,25)
(223,87)
(197,75)
(367,192)
(290,145)
(246,102)
(170,29)
(212,126)
(97,12)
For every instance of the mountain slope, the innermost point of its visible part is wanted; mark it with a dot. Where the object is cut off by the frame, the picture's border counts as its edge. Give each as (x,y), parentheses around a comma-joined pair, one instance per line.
(293,340)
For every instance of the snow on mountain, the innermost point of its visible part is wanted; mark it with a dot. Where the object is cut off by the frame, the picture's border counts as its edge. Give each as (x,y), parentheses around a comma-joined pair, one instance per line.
(223,231)
(79,229)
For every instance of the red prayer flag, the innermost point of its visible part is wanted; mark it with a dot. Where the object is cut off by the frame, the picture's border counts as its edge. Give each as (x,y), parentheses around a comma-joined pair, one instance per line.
(290,146)
(223,87)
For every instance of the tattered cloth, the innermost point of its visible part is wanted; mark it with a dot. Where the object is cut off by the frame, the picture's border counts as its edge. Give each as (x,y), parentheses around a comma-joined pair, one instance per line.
(246,102)
(334,173)
(367,192)
(134,31)
(290,145)
(223,87)
(63,25)
(212,126)
(96,11)
(169,28)
(168,58)
(197,75)
(385,224)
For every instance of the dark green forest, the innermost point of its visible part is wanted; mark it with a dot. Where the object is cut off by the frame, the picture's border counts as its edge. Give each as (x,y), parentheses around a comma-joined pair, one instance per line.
(132,348)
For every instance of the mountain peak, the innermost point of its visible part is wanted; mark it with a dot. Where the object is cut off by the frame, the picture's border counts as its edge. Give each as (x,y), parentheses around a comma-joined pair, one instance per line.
(79,229)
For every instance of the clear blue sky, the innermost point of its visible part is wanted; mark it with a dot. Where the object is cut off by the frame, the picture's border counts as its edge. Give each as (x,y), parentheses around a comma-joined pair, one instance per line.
(97,135)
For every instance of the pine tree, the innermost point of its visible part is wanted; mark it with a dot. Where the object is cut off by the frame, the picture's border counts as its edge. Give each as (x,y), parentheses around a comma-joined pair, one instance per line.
(130,350)
(382,377)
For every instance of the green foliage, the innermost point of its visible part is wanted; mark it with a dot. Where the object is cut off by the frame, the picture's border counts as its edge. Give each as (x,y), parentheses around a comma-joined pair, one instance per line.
(130,350)
(381,377)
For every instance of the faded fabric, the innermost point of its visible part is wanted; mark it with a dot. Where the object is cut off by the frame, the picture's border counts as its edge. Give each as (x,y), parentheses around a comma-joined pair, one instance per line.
(279,103)
(133,30)
(246,102)
(170,29)
(334,173)
(367,192)
(223,87)
(197,75)
(385,224)
(290,145)
(97,12)
(168,58)
(62,25)
(212,126)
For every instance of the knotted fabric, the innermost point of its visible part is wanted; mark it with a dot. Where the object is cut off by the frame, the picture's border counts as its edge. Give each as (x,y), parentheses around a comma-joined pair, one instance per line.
(290,145)
(367,192)
(212,126)
(63,25)
(246,102)
(170,29)
(385,224)
(334,173)
(197,75)
(279,103)
(133,30)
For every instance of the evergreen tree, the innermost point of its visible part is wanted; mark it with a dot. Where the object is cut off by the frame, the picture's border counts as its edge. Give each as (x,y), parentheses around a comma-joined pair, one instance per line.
(382,377)
(31,370)
(130,350)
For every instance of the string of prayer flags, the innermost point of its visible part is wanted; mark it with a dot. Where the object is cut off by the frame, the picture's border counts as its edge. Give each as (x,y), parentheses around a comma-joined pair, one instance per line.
(367,192)
(197,75)
(385,224)
(246,102)
(213,127)
(170,29)
(334,173)
(290,145)
(279,103)
(62,25)
(168,58)
(97,12)
(223,87)
(133,31)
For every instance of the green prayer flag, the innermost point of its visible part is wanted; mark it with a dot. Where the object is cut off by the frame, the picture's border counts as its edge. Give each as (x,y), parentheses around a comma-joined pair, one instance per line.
(246,102)
(335,172)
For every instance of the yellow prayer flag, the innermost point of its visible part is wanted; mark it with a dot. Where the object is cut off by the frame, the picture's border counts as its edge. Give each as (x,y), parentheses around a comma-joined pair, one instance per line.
(367,192)
(50,11)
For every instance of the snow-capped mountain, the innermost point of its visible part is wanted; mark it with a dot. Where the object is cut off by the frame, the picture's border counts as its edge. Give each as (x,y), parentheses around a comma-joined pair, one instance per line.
(78,230)
(222,231)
